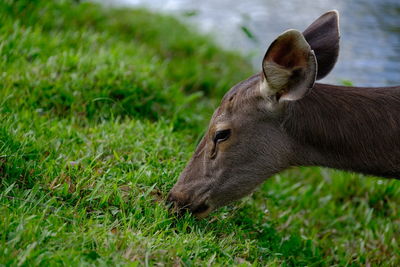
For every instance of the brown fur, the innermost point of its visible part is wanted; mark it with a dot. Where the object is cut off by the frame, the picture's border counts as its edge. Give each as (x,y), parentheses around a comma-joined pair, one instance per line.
(350,128)
(280,118)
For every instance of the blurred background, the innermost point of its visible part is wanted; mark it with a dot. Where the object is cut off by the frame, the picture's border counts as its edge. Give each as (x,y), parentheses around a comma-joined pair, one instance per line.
(370,30)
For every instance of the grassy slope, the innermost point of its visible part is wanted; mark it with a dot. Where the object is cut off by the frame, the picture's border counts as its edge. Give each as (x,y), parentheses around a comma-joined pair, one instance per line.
(99,111)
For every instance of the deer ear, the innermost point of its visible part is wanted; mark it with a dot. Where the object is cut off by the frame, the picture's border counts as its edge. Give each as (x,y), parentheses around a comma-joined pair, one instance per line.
(289,67)
(323,37)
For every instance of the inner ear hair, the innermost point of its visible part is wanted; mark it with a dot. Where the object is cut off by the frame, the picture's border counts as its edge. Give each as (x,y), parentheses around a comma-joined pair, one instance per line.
(278,76)
(289,67)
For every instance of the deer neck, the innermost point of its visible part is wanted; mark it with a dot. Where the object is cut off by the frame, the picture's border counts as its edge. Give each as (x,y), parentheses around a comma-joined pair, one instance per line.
(349,128)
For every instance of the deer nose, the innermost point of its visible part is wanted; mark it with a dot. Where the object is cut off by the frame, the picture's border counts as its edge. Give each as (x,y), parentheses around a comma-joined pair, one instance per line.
(178,202)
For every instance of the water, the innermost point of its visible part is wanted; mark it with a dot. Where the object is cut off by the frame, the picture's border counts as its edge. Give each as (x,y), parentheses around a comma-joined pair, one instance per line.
(370,30)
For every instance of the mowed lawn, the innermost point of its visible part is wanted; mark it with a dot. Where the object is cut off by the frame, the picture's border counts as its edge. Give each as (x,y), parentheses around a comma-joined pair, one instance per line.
(99,111)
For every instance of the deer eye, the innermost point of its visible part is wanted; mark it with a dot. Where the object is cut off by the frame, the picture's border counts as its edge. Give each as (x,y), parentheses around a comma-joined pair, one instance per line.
(222,135)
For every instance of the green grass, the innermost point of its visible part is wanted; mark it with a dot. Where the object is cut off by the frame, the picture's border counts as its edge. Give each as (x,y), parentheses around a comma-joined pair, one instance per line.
(99,111)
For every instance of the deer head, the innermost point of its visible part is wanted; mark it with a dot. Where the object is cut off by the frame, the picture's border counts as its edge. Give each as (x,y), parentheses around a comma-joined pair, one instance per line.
(245,143)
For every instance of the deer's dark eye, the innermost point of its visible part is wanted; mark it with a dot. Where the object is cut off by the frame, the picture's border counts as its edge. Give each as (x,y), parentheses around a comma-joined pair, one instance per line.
(222,135)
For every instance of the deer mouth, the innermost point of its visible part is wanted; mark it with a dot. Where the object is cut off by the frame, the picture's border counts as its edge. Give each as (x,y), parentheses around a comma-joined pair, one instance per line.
(182,206)
(201,210)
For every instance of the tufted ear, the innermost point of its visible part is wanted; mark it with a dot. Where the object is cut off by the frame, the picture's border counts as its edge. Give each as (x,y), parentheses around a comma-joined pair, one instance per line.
(323,37)
(289,67)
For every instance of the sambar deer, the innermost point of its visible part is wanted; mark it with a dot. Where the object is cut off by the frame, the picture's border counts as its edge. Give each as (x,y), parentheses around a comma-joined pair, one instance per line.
(280,118)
